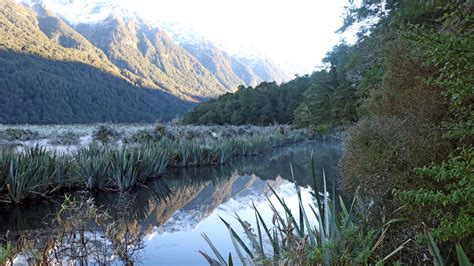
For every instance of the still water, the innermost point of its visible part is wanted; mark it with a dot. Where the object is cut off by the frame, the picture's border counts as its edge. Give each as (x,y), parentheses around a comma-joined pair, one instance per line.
(163,223)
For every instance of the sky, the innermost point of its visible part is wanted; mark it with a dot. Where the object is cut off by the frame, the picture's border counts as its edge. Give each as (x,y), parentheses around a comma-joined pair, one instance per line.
(296,34)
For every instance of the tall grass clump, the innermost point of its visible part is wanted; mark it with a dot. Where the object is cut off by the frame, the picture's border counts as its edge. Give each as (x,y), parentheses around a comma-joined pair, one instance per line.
(32,174)
(336,238)
(157,158)
(126,167)
(92,166)
(129,166)
(222,152)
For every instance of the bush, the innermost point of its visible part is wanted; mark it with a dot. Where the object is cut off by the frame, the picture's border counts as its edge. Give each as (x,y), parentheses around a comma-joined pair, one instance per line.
(65,138)
(32,174)
(450,198)
(20,134)
(381,155)
(143,136)
(105,134)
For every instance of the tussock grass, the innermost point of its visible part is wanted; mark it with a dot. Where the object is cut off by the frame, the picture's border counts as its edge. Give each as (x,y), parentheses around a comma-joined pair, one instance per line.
(32,174)
(104,165)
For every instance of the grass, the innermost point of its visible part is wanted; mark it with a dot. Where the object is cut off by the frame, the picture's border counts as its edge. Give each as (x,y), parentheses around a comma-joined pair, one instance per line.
(103,165)
(92,165)
(32,174)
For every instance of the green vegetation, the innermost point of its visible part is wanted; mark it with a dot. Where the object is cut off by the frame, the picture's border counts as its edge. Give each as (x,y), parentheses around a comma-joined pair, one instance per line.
(36,173)
(122,70)
(323,100)
(411,150)
(31,174)
(267,104)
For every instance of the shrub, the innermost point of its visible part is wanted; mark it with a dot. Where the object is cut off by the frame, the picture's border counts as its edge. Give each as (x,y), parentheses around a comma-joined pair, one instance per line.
(20,134)
(32,174)
(143,136)
(380,156)
(65,138)
(450,197)
(105,134)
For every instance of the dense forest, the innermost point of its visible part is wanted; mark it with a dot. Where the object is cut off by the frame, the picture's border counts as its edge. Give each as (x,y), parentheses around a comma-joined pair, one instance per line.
(404,92)
(265,104)
(40,91)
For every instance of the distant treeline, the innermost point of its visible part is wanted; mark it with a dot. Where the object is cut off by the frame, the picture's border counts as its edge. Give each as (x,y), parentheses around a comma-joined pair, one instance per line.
(323,100)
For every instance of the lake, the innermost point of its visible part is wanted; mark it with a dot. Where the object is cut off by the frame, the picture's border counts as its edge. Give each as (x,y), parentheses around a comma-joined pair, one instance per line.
(162,223)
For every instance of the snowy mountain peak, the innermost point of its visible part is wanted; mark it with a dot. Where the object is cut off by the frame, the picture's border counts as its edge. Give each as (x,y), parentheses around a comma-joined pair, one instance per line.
(78,11)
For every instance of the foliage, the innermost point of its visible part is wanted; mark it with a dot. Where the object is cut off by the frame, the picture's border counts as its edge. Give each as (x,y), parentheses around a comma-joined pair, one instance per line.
(65,138)
(71,92)
(105,134)
(450,197)
(330,101)
(5,253)
(20,134)
(92,165)
(267,103)
(462,258)
(32,174)
(415,100)
(36,173)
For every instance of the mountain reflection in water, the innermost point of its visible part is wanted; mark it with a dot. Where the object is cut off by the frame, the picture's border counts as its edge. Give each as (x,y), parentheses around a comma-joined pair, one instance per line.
(166,218)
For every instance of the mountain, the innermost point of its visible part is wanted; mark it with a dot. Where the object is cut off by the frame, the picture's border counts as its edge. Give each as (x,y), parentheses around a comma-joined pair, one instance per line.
(70,61)
(150,54)
(49,73)
(249,71)
(265,68)
(227,70)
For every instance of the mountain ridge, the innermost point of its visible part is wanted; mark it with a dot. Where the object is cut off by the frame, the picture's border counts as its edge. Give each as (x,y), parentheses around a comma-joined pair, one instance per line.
(123,58)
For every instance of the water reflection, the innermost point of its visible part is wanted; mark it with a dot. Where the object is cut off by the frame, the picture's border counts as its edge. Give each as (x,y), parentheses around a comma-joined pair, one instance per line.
(162,222)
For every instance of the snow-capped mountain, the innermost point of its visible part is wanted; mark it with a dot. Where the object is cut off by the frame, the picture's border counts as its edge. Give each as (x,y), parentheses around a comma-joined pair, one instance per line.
(231,70)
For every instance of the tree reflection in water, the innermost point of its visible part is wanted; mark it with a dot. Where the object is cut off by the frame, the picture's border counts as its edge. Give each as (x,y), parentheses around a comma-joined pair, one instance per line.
(82,233)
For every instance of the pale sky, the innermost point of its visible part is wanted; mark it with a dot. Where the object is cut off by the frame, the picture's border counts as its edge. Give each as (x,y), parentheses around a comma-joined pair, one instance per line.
(294,33)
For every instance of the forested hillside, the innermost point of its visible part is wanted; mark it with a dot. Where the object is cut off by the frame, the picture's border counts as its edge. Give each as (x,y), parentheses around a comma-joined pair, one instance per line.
(405,91)
(40,91)
(51,74)
(265,104)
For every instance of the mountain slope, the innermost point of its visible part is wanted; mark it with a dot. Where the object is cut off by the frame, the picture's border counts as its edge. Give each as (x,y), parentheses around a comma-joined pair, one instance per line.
(42,81)
(265,69)
(220,64)
(21,31)
(231,70)
(150,54)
